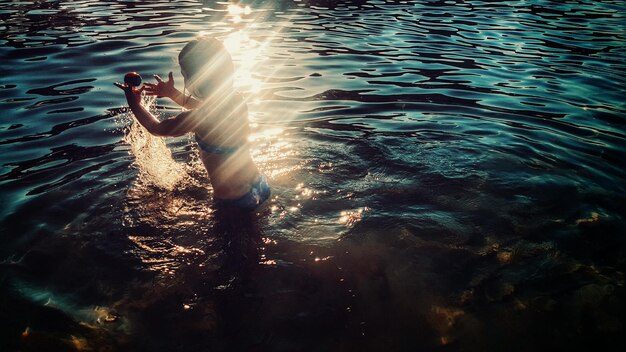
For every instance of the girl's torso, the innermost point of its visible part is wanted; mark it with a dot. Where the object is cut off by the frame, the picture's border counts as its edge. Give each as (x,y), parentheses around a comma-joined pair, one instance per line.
(222,129)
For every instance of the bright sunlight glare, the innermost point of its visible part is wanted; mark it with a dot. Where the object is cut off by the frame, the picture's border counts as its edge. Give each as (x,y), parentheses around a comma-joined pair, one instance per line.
(249,54)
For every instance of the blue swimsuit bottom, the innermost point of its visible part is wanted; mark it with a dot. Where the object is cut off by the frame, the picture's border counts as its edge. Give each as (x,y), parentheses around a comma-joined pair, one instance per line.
(258,194)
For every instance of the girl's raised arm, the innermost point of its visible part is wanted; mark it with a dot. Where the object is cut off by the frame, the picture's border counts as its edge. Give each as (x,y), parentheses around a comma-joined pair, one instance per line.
(172,127)
(167,89)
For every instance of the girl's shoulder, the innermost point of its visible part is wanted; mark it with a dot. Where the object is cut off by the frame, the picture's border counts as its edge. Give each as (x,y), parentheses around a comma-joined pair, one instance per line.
(220,108)
(233,105)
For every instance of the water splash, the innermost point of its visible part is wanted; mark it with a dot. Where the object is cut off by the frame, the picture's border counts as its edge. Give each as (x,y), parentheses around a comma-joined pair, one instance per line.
(152,157)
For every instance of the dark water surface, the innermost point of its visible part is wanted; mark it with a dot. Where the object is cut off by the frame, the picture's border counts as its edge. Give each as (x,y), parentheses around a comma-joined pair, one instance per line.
(447,176)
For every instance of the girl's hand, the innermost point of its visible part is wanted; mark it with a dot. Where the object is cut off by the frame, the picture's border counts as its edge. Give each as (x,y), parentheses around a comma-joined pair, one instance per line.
(133,95)
(161,88)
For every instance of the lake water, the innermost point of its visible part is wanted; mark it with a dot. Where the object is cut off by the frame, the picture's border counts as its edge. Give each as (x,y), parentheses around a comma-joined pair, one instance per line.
(447,176)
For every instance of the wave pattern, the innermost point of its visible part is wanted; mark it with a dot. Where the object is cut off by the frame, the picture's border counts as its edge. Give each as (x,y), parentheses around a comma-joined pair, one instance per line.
(446,174)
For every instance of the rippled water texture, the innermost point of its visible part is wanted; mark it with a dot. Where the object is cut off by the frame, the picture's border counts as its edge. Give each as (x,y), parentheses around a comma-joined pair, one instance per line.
(447,175)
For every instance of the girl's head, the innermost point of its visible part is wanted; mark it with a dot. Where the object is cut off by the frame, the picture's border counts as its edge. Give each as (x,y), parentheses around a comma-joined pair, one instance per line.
(206,66)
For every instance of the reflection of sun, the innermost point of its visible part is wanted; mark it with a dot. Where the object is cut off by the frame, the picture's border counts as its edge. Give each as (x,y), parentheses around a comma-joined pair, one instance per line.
(274,154)
(250,55)
(245,52)
(238,10)
(267,134)
(350,218)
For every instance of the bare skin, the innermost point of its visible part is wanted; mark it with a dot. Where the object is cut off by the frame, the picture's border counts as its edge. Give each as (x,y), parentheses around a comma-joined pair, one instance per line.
(219,120)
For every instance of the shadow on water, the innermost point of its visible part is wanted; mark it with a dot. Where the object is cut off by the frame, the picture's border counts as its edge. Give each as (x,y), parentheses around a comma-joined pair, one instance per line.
(201,293)
(160,262)
(187,284)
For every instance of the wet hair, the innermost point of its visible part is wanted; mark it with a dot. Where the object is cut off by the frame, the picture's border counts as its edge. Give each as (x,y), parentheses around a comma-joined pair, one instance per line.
(207,64)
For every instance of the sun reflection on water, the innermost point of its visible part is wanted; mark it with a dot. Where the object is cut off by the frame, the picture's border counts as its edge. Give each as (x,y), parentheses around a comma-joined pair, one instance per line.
(351,217)
(234,9)
(245,52)
(273,153)
(266,134)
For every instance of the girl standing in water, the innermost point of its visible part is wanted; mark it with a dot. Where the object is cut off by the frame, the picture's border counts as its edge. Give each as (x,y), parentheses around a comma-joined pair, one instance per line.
(218,117)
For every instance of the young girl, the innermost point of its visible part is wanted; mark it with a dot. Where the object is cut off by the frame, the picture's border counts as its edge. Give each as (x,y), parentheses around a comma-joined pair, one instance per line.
(218,117)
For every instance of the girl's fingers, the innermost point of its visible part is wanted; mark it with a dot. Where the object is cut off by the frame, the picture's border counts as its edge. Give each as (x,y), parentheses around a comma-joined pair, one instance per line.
(158,78)
(150,89)
(123,86)
(171,77)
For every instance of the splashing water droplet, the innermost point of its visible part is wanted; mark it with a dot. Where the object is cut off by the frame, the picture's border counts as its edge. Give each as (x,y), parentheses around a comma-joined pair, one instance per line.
(152,157)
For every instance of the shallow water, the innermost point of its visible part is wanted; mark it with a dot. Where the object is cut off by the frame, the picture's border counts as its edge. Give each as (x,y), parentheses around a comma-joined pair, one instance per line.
(447,175)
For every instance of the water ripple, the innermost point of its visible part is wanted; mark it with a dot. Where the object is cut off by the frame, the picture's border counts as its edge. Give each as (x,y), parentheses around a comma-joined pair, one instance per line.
(443,168)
